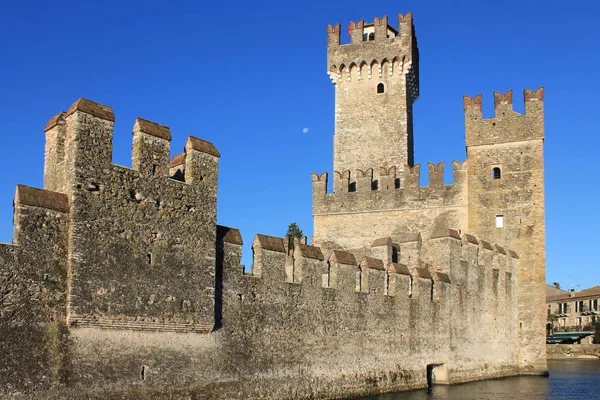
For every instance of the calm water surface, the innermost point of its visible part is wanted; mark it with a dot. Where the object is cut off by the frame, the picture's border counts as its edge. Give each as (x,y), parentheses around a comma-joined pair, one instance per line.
(569,379)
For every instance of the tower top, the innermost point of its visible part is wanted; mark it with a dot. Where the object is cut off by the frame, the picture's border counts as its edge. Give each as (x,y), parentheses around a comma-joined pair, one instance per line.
(376,78)
(378,31)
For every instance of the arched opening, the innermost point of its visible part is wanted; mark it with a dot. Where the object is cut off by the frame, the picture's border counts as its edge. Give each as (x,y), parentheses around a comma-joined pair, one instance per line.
(380,88)
(496,173)
(437,374)
(371,36)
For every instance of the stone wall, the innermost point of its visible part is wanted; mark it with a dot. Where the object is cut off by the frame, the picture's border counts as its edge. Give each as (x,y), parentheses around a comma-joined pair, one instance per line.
(560,351)
(33,281)
(357,213)
(306,324)
(513,143)
(376,83)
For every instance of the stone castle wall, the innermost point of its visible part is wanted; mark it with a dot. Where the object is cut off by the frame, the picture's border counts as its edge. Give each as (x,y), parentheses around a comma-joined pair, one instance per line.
(365,207)
(86,314)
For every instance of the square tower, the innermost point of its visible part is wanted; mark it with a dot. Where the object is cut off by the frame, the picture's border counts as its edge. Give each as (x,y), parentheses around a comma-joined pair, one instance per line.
(376,78)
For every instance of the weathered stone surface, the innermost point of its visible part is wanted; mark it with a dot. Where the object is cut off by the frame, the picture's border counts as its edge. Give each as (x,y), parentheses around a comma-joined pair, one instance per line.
(120,284)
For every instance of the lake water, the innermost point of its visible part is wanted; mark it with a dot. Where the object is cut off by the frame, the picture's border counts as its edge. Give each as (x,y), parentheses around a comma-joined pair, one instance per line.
(569,379)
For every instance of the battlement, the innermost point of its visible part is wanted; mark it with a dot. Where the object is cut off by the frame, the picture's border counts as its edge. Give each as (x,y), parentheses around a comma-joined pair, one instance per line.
(365,191)
(378,31)
(79,145)
(161,214)
(444,259)
(507,125)
(376,51)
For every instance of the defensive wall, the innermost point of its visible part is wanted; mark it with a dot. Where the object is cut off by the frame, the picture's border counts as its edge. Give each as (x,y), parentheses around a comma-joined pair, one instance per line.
(364,206)
(119,283)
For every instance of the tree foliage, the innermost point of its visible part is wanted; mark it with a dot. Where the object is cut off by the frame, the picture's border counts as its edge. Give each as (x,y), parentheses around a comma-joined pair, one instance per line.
(293,231)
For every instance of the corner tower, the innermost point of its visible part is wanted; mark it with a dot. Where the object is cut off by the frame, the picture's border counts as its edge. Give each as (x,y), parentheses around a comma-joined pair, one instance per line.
(506,203)
(376,79)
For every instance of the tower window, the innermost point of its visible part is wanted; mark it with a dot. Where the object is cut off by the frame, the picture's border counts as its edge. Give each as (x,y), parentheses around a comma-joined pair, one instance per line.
(371,36)
(496,173)
(380,88)
(499,221)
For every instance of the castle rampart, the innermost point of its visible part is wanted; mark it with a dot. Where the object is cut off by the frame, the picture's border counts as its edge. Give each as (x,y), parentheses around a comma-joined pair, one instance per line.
(140,290)
(364,203)
(120,284)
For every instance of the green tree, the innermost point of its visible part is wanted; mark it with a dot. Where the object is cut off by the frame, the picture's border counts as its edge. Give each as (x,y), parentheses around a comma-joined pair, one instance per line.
(293,231)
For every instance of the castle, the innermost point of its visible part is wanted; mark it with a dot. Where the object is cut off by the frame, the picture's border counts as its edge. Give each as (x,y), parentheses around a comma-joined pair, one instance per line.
(120,284)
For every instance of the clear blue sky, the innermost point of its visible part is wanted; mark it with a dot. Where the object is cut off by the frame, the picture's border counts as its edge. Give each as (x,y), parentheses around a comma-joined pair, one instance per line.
(250,76)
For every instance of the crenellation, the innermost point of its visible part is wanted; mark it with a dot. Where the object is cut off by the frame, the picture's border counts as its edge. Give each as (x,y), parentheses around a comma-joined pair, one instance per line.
(355,31)
(29,196)
(436,175)
(364,180)
(507,126)
(333,35)
(201,163)
(460,172)
(54,153)
(503,104)
(341,181)
(412,177)
(381,29)
(387,178)
(151,148)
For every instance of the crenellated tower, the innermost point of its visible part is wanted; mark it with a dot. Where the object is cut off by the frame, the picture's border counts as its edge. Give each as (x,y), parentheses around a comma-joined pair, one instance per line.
(376,79)
(506,201)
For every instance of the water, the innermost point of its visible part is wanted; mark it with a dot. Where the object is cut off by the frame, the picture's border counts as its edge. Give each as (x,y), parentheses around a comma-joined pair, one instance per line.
(569,379)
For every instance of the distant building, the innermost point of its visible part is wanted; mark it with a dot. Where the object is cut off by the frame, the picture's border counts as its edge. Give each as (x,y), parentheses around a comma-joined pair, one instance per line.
(570,310)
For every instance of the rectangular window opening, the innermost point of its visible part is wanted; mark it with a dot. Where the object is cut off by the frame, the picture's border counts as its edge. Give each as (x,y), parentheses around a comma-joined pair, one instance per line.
(499,221)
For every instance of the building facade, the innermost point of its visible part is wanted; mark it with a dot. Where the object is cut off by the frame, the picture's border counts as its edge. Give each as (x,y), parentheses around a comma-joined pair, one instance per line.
(573,311)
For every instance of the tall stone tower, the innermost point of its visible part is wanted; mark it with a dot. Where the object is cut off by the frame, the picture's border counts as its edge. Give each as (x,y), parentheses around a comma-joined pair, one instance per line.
(506,202)
(376,80)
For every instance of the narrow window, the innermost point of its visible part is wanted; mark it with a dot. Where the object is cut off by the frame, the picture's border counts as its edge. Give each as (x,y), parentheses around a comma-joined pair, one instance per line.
(153,170)
(394,254)
(149,258)
(387,284)
(596,305)
(365,37)
(145,370)
(560,308)
(359,279)
(410,287)
(328,274)
(499,221)
(576,307)
(380,88)
(496,173)
(432,288)
(371,36)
